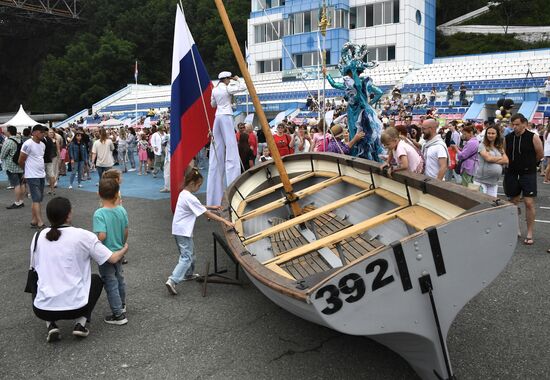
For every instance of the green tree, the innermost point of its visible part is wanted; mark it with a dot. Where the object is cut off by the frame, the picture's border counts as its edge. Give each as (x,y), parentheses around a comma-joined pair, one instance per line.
(91,68)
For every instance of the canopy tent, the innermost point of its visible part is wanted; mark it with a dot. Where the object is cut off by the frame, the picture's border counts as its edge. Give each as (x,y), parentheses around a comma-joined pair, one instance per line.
(21,120)
(111,123)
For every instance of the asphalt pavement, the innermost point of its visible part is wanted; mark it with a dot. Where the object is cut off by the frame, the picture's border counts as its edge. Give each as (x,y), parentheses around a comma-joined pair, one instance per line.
(235,332)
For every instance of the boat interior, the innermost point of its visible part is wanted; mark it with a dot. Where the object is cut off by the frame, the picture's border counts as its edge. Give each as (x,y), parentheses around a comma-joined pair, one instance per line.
(344,218)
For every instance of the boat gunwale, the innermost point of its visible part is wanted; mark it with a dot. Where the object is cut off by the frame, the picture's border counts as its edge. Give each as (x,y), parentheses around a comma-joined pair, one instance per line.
(460,196)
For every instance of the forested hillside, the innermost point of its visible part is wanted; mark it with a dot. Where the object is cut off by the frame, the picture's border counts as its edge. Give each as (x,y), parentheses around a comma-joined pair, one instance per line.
(67,68)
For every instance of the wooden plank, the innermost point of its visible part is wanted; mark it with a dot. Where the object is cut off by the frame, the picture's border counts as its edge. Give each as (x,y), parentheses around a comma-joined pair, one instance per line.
(364,243)
(392,197)
(299,194)
(321,262)
(315,265)
(356,182)
(420,217)
(271,189)
(308,216)
(293,272)
(307,267)
(281,272)
(334,238)
(299,269)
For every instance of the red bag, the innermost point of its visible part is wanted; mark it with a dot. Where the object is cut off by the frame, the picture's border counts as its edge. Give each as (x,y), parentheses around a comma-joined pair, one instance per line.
(452,158)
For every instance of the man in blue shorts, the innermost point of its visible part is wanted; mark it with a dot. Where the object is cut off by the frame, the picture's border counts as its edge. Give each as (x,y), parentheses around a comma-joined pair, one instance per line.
(524,150)
(31,159)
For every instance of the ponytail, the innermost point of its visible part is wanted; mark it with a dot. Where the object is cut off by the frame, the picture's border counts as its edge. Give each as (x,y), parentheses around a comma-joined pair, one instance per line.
(53,234)
(57,211)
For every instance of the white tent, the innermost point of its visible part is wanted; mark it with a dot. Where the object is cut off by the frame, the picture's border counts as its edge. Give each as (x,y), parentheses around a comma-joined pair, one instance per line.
(21,120)
(111,123)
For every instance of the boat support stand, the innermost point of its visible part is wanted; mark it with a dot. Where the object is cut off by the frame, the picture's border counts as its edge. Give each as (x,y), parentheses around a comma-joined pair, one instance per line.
(218,276)
(426,286)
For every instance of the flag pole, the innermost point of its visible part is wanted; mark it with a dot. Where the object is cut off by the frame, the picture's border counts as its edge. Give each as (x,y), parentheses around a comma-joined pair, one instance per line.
(289,193)
(324,23)
(135,92)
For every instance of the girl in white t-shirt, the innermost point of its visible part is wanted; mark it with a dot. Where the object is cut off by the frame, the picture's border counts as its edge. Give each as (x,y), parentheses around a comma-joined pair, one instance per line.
(404,153)
(188,208)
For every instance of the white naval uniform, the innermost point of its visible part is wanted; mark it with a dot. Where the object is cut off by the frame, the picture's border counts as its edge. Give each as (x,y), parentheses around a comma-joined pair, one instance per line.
(224,162)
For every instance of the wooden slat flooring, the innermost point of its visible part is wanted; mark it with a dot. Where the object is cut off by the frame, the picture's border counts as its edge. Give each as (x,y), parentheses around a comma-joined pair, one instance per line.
(313,263)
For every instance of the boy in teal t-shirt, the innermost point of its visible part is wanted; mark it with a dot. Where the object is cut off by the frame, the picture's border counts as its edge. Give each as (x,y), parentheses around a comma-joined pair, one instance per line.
(110,222)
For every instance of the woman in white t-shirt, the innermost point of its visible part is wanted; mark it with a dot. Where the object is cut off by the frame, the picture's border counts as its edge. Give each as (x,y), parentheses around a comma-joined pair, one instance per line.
(102,153)
(405,154)
(188,208)
(61,255)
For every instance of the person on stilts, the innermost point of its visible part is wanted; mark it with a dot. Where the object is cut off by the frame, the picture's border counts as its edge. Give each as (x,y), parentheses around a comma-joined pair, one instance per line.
(224,162)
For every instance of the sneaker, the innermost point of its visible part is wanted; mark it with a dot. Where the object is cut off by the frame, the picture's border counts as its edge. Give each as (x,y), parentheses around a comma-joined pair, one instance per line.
(171,286)
(80,331)
(192,277)
(20,205)
(132,170)
(54,334)
(13,206)
(10,188)
(116,320)
(164,190)
(79,185)
(70,186)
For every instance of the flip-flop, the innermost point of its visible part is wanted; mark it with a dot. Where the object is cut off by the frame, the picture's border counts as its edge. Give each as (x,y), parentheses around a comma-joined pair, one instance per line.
(528,241)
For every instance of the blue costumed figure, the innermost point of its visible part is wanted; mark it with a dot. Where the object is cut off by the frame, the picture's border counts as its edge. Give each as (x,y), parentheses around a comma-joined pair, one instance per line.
(361,115)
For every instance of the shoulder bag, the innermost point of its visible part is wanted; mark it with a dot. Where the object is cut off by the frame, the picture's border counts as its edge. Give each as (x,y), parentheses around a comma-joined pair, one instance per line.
(32,276)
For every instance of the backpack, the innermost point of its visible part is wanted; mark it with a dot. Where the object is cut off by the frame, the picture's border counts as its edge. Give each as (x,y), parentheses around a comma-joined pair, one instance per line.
(15,157)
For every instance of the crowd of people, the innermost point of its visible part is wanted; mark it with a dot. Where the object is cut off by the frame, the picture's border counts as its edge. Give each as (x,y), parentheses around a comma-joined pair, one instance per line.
(475,155)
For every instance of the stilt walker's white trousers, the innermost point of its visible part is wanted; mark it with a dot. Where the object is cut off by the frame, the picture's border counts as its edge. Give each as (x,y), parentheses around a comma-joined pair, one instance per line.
(224,161)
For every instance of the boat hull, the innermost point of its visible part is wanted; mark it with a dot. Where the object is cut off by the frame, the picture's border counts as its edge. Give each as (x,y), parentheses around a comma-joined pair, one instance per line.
(394,294)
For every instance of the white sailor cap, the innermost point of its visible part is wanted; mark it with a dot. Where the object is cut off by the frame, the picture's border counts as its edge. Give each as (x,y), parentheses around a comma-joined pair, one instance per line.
(224,74)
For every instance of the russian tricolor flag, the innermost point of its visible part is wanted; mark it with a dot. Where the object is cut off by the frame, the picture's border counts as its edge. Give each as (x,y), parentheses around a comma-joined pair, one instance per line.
(191,112)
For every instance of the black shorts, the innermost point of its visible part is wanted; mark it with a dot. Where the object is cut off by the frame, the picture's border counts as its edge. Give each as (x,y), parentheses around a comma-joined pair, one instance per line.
(516,184)
(16,179)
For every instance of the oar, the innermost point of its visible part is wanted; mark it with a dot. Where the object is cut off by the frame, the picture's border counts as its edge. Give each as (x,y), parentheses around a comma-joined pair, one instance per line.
(289,193)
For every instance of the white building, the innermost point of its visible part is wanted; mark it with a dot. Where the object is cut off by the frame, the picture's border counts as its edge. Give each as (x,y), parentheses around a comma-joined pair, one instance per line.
(283,34)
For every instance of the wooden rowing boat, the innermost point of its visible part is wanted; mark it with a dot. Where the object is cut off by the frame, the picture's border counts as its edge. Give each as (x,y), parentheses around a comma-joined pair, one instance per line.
(335,241)
(369,253)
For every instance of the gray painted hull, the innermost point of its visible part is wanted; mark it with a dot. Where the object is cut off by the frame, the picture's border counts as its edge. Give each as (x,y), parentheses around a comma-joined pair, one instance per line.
(381,297)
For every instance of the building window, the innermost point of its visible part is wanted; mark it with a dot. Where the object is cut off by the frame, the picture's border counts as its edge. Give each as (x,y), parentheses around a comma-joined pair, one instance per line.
(382,53)
(259,5)
(391,53)
(370,15)
(311,58)
(396,11)
(304,22)
(269,66)
(268,32)
(374,14)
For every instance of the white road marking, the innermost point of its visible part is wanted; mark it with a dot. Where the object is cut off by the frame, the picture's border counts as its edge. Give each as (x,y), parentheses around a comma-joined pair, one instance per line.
(544,208)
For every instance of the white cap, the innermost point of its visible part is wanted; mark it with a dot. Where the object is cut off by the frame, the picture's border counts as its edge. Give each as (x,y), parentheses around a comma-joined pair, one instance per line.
(224,74)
